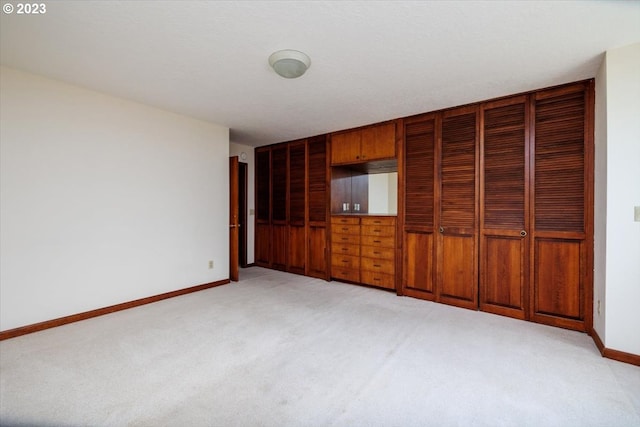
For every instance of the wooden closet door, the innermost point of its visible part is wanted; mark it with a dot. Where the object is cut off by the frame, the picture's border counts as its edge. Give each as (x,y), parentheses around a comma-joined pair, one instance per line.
(279,207)
(318,205)
(562,216)
(297,206)
(458,221)
(419,211)
(504,207)
(263,207)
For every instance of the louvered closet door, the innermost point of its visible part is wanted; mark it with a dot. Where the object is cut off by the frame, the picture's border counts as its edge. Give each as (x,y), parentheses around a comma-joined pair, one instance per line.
(318,201)
(458,221)
(263,208)
(279,207)
(504,221)
(562,174)
(297,205)
(419,239)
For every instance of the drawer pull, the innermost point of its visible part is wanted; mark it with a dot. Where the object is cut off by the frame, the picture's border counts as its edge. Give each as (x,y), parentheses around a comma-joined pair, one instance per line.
(345,228)
(345,249)
(345,260)
(377,222)
(377,265)
(345,238)
(376,241)
(377,231)
(376,279)
(376,253)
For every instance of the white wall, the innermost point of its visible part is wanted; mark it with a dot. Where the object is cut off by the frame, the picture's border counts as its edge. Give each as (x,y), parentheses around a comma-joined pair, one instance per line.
(237,150)
(600,204)
(103,200)
(622,194)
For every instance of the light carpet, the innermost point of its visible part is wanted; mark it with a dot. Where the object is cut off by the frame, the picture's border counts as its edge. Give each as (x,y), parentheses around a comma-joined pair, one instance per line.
(277,349)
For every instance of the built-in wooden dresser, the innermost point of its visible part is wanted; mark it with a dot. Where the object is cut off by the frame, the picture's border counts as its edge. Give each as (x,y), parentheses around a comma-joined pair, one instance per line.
(363,249)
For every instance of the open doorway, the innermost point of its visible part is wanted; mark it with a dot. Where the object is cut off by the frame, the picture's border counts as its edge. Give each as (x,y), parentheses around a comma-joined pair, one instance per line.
(243,174)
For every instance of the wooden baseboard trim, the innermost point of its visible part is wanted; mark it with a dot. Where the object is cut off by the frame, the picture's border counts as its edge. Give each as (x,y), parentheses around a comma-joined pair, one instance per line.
(47,324)
(620,356)
(597,341)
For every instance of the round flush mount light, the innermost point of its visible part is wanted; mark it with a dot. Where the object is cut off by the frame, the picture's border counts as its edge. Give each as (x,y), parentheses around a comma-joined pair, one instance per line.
(290,64)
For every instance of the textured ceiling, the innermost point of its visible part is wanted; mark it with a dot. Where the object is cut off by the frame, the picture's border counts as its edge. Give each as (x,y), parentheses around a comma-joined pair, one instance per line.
(370,61)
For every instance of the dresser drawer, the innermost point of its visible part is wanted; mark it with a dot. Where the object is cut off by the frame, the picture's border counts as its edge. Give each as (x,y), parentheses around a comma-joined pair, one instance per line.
(378,230)
(351,239)
(377,252)
(345,261)
(345,220)
(387,242)
(378,221)
(345,228)
(345,274)
(380,265)
(345,249)
(378,279)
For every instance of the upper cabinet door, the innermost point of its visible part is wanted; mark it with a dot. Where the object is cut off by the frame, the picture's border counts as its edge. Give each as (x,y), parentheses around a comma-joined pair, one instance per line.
(345,147)
(364,145)
(378,142)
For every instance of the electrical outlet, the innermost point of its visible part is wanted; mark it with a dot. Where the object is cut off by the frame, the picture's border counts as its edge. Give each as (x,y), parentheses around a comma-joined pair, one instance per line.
(211,264)
(636,213)
(252,211)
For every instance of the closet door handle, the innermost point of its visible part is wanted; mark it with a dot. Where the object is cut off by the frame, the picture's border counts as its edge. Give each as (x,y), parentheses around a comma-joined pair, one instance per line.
(441,229)
(523,233)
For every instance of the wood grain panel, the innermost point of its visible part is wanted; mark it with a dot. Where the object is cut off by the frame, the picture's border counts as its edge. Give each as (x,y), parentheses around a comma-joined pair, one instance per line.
(345,220)
(297,251)
(346,229)
(317,255)
(378,279)
(279,248)
(558,285)
(380,265)
(279,183)
(297,183)
(458,173)
(345,147)
(317,158)
(504,208)
(502,271)
(418,261)
(419,146)
(351,239)
(263,180)
(378,220)
(377,252)
(560,162)
(504,167)
(345,249)
(458,284)
(378,142)
(345,261)
(378,230)
(386,242)
(263,245)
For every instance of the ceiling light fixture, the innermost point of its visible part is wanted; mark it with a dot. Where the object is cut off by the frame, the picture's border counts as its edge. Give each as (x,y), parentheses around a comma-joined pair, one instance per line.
(290,64)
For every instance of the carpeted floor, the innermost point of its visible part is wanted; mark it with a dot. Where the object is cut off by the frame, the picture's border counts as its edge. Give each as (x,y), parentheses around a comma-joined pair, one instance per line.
(283,350)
